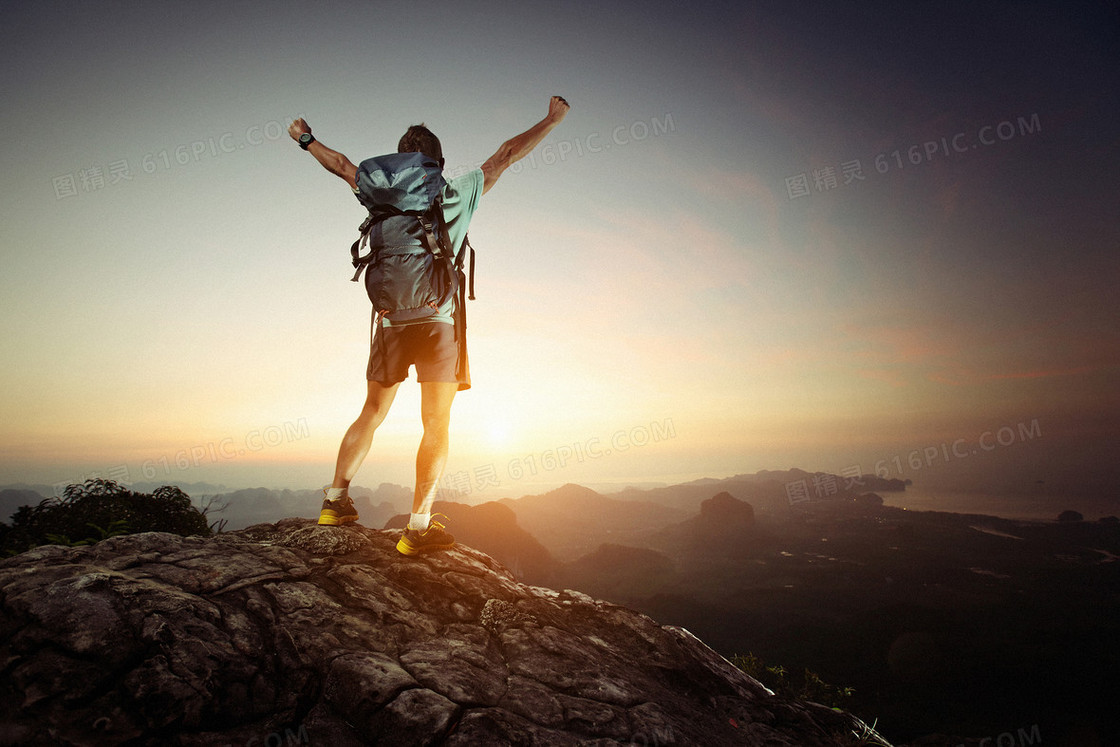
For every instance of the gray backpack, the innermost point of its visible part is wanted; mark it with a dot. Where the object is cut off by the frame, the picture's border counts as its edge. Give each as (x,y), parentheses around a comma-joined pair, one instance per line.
(410,267)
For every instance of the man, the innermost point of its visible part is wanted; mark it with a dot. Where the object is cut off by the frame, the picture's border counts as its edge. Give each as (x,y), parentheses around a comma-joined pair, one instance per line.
(428,344)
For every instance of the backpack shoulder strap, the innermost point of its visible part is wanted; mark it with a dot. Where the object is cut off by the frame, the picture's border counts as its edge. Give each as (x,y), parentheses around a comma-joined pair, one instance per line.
(470,277)
(436,243)
(362,241)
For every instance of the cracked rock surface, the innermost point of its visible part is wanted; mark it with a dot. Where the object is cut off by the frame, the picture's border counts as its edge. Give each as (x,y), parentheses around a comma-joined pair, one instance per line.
(298,634)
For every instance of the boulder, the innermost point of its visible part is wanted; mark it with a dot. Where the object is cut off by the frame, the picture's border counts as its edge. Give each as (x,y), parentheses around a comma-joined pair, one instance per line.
(299,634)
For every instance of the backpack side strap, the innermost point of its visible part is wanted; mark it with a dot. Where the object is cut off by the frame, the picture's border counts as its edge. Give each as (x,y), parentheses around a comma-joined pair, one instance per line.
(362,242)
(436,245)
(470,281)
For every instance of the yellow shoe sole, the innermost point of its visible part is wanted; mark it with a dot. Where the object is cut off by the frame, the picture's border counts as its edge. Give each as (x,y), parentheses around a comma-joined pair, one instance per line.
(407,548)
(328,519)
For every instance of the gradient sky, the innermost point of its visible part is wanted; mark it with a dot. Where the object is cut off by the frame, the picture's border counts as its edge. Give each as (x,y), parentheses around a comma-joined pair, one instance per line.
(823,235)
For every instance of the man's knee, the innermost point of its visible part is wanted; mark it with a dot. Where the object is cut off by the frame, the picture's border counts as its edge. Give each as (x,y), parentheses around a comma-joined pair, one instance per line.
(435,407)
(379,398)
(436,423)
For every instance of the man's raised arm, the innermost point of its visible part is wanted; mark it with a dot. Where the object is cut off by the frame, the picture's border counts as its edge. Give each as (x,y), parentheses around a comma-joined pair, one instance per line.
(332,160)
(516,148)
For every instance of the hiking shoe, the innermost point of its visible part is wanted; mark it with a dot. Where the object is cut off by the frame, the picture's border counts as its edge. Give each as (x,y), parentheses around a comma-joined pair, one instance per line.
(337,513)
(414,542)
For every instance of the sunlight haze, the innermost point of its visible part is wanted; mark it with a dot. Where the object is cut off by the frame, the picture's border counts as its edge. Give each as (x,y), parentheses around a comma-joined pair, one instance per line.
(806,235)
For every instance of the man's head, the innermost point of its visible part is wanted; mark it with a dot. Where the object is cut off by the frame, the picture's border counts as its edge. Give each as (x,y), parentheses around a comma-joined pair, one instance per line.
(419,139)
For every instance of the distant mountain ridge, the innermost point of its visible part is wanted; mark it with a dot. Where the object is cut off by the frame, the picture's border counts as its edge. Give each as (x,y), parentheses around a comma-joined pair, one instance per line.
(987,618)
(723,524)
(247,506)
(768,490)
(573,520)
(863,593)
(494,526)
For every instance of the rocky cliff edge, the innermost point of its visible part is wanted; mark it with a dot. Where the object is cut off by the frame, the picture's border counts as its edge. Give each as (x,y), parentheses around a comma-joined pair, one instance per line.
(323,635)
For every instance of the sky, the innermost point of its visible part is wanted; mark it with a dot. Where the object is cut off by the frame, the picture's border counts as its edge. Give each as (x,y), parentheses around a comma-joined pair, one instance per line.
(850,237)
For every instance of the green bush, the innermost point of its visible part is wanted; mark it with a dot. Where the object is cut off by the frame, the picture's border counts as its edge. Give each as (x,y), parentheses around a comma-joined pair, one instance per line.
(98,509)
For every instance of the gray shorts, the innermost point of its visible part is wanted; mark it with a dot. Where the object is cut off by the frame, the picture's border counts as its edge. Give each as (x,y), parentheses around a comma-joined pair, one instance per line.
(430,346)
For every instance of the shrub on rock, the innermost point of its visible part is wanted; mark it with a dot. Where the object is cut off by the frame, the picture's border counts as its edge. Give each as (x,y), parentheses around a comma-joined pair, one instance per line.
(97,509)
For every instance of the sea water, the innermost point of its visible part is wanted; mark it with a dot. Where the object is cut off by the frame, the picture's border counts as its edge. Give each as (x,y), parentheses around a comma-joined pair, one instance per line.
(1041,506)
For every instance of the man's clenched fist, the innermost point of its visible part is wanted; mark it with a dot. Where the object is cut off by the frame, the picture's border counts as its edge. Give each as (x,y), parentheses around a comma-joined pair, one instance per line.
(297,128)
(557,108)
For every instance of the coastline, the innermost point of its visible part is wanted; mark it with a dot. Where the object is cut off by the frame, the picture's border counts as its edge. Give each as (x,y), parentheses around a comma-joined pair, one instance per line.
(1015,506)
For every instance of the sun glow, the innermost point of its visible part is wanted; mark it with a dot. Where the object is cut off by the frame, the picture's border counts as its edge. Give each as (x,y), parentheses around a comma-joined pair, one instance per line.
(499,433)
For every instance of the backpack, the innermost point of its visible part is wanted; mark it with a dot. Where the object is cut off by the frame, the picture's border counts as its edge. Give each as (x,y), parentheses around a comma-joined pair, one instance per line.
(410,268)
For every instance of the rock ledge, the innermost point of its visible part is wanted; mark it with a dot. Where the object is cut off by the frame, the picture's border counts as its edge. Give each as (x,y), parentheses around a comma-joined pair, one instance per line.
(330,636)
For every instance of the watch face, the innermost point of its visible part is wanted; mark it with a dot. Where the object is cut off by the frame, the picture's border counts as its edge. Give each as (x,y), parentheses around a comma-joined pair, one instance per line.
(305,138)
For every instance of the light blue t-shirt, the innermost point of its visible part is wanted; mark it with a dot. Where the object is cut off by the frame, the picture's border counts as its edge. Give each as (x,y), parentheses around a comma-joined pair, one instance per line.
(460,199)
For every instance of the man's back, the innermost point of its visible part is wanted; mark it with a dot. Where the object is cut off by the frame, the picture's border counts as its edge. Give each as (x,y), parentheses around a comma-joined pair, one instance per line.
(436,348)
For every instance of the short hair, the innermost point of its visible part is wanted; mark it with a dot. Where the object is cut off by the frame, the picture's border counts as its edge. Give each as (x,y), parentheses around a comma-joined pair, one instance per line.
(419,139)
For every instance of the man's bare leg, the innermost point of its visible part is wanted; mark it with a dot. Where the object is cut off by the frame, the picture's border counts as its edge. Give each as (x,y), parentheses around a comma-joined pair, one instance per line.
(435,412)
(356,442)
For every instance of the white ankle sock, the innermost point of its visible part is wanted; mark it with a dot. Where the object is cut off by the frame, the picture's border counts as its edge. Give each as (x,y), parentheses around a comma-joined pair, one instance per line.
(419,522)
(336,494)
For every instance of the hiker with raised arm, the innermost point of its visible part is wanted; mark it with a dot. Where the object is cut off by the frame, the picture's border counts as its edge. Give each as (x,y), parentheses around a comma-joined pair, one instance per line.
(411,251)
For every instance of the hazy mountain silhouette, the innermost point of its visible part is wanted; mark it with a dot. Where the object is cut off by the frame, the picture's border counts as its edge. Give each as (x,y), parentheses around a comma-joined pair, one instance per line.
(722,518)
(494,526)
(12,498)
(950,623)
(764,494)
(572,521)
(624,574)
(943,623)
(767,491)
(243,508)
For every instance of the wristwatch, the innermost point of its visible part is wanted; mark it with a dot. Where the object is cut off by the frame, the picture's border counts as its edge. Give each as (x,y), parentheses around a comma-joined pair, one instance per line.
(305,140)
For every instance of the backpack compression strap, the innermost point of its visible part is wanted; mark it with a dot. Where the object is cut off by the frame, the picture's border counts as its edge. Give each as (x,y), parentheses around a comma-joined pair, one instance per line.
(436,245)
(470,281)
(361,242)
